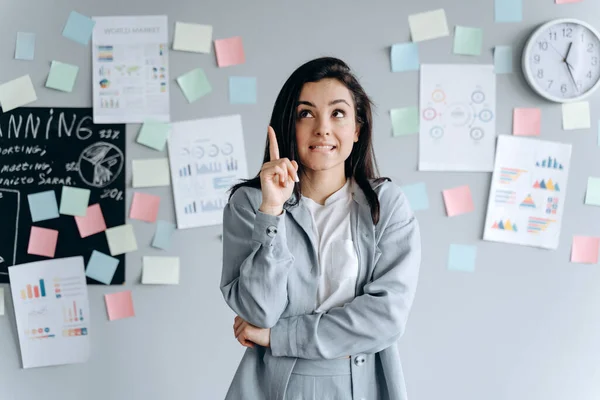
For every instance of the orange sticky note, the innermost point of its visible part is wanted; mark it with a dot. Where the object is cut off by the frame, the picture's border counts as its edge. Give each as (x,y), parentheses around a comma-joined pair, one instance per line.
(119,305)
(144,206)
(458,200)
(230,51)
(585,249)
(527,121)
(42,241)
(92,223)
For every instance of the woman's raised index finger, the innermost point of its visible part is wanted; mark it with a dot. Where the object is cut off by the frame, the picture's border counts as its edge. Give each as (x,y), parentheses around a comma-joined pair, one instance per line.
(273,147)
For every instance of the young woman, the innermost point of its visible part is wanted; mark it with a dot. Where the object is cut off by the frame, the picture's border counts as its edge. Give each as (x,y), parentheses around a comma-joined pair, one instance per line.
(320,256)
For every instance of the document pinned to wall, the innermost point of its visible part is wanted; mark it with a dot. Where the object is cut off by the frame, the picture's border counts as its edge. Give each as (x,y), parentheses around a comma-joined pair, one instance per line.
(52,311)
(527,196)
(207,157)
(457,118)
(130,69)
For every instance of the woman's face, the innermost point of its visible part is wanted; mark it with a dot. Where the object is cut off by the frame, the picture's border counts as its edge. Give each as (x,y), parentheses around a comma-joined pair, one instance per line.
(326,126)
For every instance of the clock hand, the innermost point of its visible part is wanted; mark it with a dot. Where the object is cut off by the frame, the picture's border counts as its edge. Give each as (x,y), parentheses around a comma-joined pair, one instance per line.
(568,51)
(557,52)
(571,74)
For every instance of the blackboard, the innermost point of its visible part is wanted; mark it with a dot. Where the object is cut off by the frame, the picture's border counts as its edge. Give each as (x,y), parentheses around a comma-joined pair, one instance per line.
(48,148)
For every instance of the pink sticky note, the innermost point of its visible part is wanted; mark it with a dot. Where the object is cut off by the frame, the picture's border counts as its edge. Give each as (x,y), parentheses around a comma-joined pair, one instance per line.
(92,223)
(527,121)
(458,200)
(230,51)
(119,305)
(144,206)
(585,249)
(42,241)
(568,1)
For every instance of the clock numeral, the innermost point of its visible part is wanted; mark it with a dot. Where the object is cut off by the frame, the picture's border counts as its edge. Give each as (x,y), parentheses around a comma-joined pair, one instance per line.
(589,75)
(594,60)
(536,58)
(552,35)
(543,45)
(563,88)
(550,82)
(540,73)
(567,32)
(590,47)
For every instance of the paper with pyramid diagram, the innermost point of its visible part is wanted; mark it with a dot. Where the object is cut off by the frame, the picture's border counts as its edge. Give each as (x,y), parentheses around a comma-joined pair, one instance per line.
(528,192)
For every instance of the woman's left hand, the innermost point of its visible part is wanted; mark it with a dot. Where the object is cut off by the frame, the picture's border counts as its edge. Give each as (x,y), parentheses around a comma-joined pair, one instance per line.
(248,335)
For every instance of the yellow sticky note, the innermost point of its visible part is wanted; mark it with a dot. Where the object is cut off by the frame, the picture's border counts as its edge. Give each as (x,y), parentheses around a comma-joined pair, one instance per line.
(576,115)
(17,93)
(151,172)
(428,25)
(121,239)
(160,270)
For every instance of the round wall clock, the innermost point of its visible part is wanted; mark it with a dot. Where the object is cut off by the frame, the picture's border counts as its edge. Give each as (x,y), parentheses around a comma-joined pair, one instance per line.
(561,60)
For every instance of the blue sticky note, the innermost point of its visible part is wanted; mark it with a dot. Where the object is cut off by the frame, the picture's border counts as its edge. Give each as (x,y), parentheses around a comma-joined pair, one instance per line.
(25,48)
(162,236)
(503,59)
(405,57)
(462,258)
(509,10)
(416,194)
(79,28)
(101,267)
(242,90)
(43,206)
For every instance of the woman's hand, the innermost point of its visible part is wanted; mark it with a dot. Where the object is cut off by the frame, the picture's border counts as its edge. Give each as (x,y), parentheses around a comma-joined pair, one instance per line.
(248,335)
(277,179)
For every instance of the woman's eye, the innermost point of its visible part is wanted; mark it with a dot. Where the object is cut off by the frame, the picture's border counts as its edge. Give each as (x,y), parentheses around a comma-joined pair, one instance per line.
(304,114)
(339,114)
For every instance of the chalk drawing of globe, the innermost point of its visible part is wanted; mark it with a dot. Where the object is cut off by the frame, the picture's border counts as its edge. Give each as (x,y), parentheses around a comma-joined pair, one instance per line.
(100,164)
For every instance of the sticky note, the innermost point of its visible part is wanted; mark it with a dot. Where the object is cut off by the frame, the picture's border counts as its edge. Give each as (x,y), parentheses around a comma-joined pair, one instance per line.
(162,235)
(62,76)
(462,258)
(17,93)
(416,194)
(508,10)
(230,51)
(592,195)
(405,57)
(458,200)
(503,59)
(160,270)
(428,25)
(242,90)
(119,305)
(527,121)
(154,134)
(585,249)
(74,201)
(1,301)
(576,115)
(92,223)
(121,239)
(405,121)
(194,84)
(144,207)
(42,241)
(150,172)
(79,28)
(568,1)
(25,47)
(468,41)
(101,267)
(43,205)
(192,37)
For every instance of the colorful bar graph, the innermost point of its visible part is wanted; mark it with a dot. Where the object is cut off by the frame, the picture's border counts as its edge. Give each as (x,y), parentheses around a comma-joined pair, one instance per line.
(42,288)
(23,294)
(29,292)
(74,310)
(36,292)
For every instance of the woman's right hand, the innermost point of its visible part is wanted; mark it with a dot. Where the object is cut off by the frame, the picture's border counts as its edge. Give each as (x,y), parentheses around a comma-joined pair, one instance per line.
(277,179)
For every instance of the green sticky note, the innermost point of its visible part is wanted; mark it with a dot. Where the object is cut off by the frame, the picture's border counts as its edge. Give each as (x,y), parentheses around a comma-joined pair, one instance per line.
(62,76)
(405,121)
(74,201)
(194,84)
(592,195)
(468,41)
(154,134)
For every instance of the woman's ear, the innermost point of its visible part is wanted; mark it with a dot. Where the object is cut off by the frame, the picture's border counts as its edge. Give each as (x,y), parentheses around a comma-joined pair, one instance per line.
(356,133)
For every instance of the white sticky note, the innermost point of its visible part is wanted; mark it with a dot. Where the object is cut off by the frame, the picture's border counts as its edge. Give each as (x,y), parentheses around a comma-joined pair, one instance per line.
(121,239)
(17,93)
(428,25)
(160,271)
(1,301)
(576,115)
(151,172)
(192,37)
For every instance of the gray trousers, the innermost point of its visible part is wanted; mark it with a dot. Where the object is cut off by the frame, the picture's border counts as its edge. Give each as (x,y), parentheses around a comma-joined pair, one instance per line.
(341,379)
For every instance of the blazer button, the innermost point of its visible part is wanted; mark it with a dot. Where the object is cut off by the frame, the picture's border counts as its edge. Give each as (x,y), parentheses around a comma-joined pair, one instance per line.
(359,360)
(271,231)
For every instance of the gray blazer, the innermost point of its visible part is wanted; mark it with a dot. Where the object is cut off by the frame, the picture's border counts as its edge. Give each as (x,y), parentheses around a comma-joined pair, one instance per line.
(269,279)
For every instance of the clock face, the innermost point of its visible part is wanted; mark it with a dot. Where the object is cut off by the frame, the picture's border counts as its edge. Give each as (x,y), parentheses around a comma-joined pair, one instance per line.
(562,60)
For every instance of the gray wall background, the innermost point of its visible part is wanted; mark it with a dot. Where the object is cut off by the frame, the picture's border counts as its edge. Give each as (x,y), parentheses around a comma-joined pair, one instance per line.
(525,325)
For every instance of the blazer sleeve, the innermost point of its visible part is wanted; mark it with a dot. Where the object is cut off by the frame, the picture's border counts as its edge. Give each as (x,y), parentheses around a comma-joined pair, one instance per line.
(256,262)
(372,321)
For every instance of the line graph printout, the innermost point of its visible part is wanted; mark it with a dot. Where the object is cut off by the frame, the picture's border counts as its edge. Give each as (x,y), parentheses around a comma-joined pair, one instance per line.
(457,128)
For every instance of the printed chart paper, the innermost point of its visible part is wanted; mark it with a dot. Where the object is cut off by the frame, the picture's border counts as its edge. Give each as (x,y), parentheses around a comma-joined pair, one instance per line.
(207,157)
(52,312)
(458,118)
(130,69)
(528,192)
